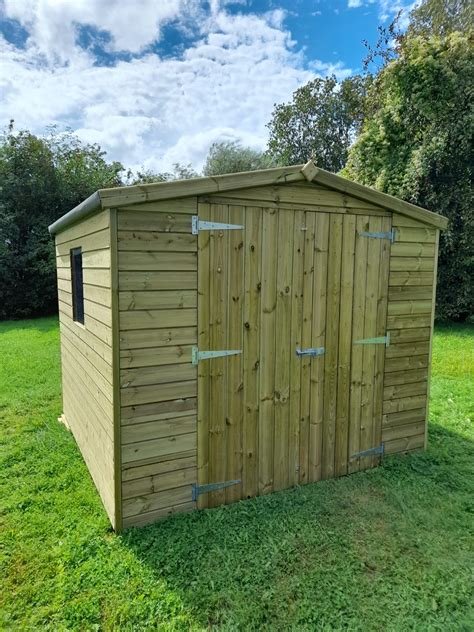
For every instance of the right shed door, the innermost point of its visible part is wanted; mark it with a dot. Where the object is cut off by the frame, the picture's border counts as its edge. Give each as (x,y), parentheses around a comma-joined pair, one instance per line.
(289,280)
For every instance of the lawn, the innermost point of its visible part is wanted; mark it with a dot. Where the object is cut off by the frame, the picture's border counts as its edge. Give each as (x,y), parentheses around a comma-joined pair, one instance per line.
(387,549)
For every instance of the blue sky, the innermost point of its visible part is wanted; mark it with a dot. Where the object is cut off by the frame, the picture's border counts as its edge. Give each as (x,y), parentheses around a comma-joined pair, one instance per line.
(157,81)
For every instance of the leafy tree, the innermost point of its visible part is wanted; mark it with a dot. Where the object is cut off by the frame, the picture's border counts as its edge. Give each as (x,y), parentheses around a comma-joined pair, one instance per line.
(231,157)
(417,145)
(41,179)
(320,122)
(147,176)
(441,17)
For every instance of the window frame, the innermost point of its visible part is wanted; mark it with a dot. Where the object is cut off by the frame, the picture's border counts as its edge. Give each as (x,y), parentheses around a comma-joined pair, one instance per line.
(77,285)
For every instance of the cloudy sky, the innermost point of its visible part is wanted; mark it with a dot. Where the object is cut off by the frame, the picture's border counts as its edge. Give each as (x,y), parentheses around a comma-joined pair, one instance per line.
(157,81)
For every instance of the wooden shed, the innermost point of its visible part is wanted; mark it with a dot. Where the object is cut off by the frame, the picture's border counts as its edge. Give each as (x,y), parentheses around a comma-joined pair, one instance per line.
(226,337)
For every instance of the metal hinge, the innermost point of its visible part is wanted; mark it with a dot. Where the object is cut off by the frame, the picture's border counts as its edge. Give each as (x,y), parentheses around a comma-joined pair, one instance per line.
(211,487)
(197,355)
(388,235)
(310,352)
(198,224)
(382,340)
(371,452)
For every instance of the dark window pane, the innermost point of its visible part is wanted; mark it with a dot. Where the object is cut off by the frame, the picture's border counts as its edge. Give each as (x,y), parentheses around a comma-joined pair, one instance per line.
(77,285)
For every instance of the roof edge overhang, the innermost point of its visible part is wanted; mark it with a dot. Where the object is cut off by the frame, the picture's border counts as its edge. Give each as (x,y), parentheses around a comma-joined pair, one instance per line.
(138,194)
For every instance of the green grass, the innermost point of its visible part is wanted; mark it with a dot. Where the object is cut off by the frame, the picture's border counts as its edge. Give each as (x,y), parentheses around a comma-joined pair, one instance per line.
(387,549)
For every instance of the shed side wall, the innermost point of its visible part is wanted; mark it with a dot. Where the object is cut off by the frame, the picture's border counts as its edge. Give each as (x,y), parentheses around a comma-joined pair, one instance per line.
(86,350)
(411,297)
(157,279)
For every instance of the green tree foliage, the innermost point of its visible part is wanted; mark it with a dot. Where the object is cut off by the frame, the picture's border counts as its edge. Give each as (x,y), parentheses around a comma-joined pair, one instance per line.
(418,146)
(319,123)
(148,176)
(441,17)
(41,179)
(231,157)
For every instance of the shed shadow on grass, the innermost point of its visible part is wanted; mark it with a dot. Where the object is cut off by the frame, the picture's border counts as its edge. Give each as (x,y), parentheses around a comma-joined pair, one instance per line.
(329,552)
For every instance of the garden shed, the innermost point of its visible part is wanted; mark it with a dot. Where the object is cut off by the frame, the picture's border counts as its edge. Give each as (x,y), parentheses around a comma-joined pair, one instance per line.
(229,336)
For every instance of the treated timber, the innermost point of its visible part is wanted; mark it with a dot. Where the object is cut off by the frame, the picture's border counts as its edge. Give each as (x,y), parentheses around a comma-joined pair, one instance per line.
(430,353)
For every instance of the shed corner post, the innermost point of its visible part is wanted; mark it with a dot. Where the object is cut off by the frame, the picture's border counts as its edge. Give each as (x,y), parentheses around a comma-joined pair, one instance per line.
(430,353)
(118,523)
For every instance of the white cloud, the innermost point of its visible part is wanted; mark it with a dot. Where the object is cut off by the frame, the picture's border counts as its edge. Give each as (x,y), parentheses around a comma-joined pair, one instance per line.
(154,111)
(354,4)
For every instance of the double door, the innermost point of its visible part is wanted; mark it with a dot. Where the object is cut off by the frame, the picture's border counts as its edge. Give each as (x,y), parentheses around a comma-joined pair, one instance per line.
(296,300)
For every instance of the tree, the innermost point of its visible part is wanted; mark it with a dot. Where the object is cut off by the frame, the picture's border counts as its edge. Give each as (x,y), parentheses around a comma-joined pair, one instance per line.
(320,122)
(147,176)
(41,179)
(441,17)
(417,145)
(231,157)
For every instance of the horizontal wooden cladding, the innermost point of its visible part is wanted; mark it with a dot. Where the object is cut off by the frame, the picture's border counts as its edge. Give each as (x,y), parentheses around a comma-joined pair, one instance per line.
(88,336)
(143,519)
(412,249)
(92,224)
(161,393)
(159,318)
(410,277)
(91,348)
(144,280)
(100,295)
(93,259)
(158,410)
(407,349)
(157,501)
(409,307)
(409,222)
(87,243)
(406,377)
(410,292)
(155,448)
(404,444)
(404,403)
(398,391)
(101,331)
(412,264)
(159,482)
(186,206)
(401,336)
(406,363)
(161,299)
(413,234)
(403,432)
(408,320)
(97,385)
(137,220)
(156,356)
(136,433)
(154,241)
(167,337)
(159,261)
(157,375)
(404,417)
(131,471)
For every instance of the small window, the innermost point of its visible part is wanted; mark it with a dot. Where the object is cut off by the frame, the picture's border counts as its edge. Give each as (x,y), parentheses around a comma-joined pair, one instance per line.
(77,285)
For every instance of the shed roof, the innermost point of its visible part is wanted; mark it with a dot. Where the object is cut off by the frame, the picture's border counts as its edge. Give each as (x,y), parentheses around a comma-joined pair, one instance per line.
(125,196)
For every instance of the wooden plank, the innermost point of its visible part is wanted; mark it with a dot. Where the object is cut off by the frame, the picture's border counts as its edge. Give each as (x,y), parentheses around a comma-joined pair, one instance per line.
(288,194)
(65,297)
(406,377)
(136,281)
(158,318)
(137,220)
(403,432)
(158,447)
(92,224)
(89,352)
(158,429)
(410,292)
(332,347)
(87,243)
(404,417)
(156,242)
(296,342)
(401,336)
(156,337)
(160,261)
(131,472)
(86,336)
(158,410)
(345,346)
(358,315)
(284,248)
(433,308)
(160,482)
(96,276)
(165,299)
(267,351)
(413,264)
(406,363)
(407,349)
(412,249)
(234,368)
(186,205)
(397,391)
(149,517)
(150,394)
(98,312)
(158,500)
(156,375)
(403,220)
(93,259)
(408,320)
(100,295)
(218,283)
(406,307)
(410,277)
(156,356)
(404,444)
(406,403)
(251,347)
(307,341)
(421,235)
